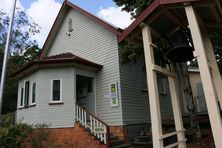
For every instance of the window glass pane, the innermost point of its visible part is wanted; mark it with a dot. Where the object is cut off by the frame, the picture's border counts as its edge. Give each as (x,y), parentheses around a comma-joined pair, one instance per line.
(89,86)
(26,93)
(56,90)
(70,25)
(21,97)
(33,92)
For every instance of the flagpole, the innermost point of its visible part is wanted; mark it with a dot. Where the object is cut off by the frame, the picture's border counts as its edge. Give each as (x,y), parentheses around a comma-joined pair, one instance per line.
(6,52)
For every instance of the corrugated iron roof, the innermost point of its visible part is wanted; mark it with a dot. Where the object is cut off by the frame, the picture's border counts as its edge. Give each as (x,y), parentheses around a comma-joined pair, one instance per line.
(63,58)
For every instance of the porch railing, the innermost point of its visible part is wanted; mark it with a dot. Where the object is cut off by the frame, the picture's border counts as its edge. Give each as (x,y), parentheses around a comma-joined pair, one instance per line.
(172,134)
(96,126)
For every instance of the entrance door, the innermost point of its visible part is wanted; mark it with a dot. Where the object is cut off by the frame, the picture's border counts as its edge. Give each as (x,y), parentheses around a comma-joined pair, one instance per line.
(85,95)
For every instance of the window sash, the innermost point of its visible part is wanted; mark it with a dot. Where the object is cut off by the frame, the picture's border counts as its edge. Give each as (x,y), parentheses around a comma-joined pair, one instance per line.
(26,93)
(56,90)
(21,96)
(33,92)
(70,29)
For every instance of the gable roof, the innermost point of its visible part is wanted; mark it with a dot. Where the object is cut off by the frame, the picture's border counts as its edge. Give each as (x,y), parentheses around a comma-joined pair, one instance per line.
(64,58)
(63,10)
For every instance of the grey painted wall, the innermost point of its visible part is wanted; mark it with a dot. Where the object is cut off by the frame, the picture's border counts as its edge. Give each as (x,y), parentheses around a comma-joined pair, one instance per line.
(56,115)
(135,102)
(28,115)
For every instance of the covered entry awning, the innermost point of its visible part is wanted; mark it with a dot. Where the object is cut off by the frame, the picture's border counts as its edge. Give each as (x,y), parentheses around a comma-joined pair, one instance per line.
(60,60)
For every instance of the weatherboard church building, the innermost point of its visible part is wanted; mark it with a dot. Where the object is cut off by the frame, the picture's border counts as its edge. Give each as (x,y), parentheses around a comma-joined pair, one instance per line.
(78,78)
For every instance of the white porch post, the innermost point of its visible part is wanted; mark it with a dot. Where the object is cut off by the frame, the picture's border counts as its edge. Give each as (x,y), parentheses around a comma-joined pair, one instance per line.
(152,88)
(213,67)
(206,77)
(177,112)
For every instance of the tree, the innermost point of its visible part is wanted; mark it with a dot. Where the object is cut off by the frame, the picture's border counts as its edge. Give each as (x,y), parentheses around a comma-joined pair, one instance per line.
(134,7)
(23,29)
(216,39)
(15,62)
(19,60)
(23,50)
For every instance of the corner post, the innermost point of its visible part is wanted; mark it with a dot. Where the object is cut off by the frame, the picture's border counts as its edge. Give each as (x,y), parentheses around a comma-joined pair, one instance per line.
(213,67)
(152,88)
(205,73)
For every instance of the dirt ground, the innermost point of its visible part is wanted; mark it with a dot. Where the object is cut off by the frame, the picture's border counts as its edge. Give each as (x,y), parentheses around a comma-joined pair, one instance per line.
(207,142)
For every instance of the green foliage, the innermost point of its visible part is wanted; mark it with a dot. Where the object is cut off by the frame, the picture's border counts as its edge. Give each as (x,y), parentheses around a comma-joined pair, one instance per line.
(19,60)
(216,39)
(130,53)
(7,120)
(134,7)
(14,135)
(15,62)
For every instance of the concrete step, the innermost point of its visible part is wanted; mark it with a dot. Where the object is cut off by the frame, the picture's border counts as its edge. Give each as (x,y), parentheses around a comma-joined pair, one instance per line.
(113,137)
(143,139)
(126,145)
(142,144)
(145,133)
(116,142)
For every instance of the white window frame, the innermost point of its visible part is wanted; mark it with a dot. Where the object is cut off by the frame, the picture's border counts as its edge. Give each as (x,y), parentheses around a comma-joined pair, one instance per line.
(51,91)
(33,103)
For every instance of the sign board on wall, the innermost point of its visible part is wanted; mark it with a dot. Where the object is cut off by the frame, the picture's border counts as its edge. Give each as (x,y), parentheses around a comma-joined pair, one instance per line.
(114,96)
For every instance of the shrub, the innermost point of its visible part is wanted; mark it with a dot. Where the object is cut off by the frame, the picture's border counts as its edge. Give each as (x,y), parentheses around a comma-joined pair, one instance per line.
(40,136)
(14,135)
(7,119)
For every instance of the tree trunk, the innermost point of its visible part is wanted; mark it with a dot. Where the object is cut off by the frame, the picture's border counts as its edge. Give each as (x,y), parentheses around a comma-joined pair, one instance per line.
(187,97)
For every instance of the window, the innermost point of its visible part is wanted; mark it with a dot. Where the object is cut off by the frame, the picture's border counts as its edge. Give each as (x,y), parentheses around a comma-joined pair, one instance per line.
(33,92)
(26,93)
(70,25)
(21,97)
(56,90)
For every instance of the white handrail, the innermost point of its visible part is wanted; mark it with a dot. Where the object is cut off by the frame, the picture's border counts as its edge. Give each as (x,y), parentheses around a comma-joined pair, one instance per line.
(97,127)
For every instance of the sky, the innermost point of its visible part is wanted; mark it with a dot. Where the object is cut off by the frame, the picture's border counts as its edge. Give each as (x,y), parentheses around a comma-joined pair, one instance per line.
(44,12)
